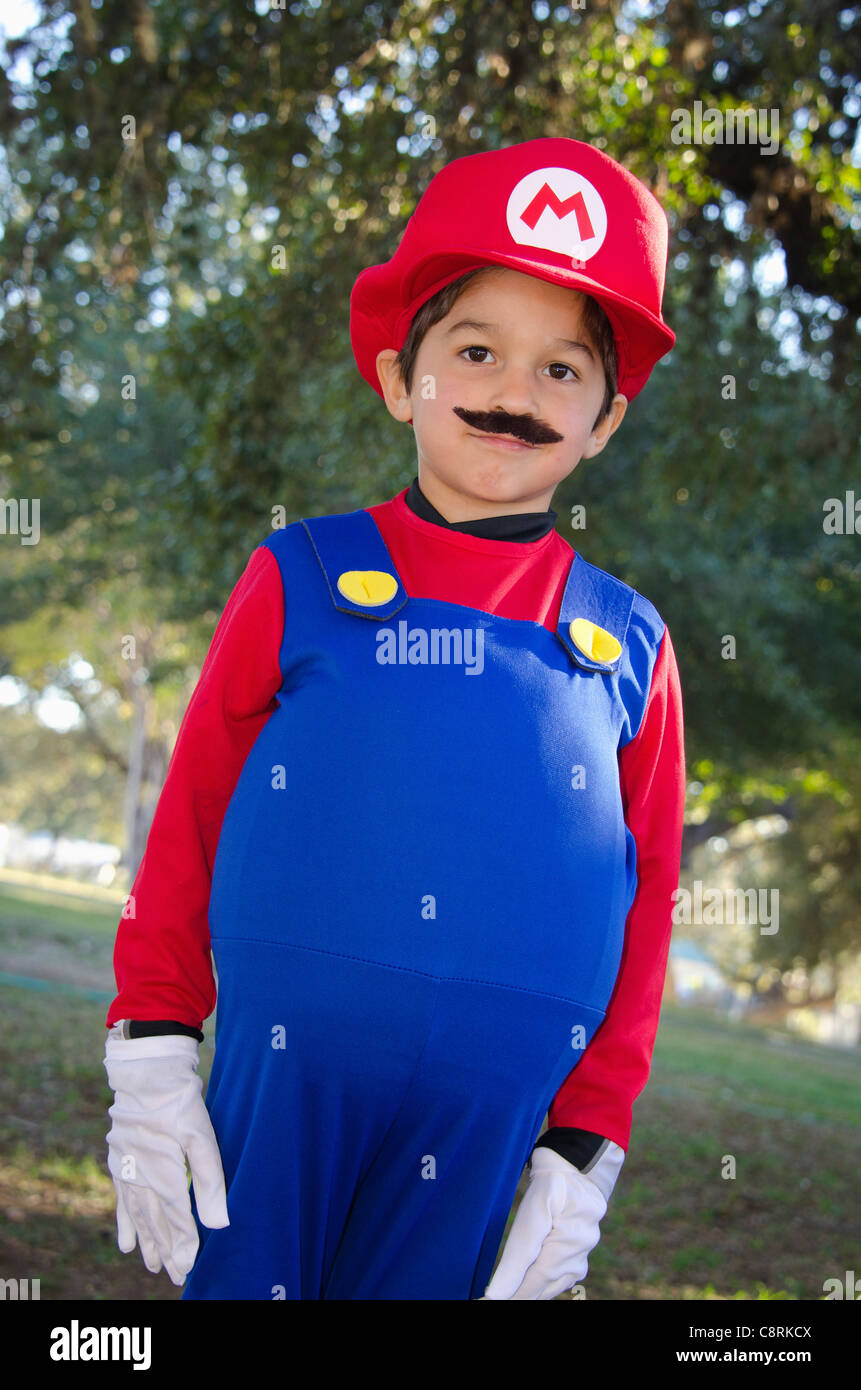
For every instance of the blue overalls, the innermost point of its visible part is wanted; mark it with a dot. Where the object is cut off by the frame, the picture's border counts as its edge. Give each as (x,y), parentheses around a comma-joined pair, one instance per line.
(417,917)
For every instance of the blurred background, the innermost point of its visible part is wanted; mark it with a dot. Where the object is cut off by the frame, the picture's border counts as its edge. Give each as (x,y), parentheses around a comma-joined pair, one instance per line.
(187,194)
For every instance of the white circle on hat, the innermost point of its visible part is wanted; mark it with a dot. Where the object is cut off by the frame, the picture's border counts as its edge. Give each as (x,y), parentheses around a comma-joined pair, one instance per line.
(558,210)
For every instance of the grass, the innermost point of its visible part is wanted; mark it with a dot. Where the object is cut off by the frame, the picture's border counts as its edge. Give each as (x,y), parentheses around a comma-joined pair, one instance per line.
(784,1110)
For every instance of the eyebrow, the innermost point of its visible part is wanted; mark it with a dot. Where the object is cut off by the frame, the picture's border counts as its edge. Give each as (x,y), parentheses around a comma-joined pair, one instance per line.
(494,328)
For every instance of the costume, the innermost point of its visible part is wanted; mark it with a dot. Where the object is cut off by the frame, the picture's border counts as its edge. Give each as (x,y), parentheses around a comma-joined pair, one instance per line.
(422,771)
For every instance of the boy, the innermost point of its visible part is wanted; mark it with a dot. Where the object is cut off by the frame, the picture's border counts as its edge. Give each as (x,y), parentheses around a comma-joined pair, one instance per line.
(425,806)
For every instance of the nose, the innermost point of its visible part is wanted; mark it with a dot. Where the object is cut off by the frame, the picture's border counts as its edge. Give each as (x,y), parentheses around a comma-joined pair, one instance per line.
(513,392)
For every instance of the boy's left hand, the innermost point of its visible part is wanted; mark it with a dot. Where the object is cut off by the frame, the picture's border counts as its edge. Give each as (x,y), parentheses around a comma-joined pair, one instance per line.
(555,1227)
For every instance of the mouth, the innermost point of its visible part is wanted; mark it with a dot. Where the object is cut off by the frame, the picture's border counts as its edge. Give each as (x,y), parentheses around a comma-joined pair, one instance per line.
(505,441)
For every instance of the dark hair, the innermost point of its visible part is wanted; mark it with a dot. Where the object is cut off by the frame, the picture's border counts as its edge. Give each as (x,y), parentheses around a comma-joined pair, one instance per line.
(595,322)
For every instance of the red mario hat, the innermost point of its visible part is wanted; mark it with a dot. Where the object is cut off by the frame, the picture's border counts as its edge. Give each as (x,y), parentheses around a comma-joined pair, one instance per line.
(554,208)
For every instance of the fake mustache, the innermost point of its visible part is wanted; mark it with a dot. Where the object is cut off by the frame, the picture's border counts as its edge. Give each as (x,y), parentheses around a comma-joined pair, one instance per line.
(522,427)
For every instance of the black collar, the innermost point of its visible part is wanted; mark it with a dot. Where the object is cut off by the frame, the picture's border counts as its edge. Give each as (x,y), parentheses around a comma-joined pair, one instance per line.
(520,526)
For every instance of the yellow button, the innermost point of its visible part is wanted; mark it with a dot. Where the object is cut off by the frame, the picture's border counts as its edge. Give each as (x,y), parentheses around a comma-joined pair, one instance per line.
(595,641)
(370,587)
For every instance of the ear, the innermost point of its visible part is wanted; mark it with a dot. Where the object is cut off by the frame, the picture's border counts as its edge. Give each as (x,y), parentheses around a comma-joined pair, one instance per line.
(392,385)
(608,426)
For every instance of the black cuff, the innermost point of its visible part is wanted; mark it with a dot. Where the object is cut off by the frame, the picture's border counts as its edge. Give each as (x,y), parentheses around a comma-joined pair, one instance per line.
(157,1028)
(579,1146)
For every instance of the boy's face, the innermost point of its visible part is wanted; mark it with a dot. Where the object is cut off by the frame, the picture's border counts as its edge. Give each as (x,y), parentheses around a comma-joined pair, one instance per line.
(516,370)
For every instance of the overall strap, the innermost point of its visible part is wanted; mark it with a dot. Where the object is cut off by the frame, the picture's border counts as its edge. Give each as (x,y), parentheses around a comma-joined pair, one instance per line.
(362,579)
(594,616)
(356,564)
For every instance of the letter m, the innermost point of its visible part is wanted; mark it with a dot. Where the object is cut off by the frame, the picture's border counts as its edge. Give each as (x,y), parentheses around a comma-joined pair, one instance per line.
(9,1289)
(546,198)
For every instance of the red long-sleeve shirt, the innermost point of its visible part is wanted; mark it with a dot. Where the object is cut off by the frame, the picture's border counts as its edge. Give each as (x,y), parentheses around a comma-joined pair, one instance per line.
(162,955)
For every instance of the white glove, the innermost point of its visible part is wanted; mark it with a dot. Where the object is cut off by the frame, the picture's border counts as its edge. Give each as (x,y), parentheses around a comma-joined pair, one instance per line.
(159,1118)
(556,1225)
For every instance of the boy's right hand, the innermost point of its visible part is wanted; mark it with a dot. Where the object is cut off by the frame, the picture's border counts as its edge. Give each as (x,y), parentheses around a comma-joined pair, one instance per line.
(159,1119)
